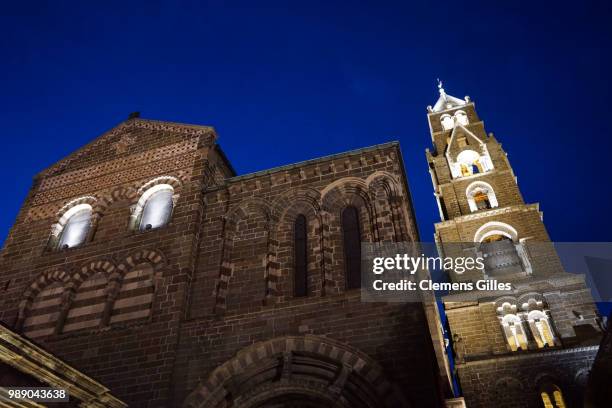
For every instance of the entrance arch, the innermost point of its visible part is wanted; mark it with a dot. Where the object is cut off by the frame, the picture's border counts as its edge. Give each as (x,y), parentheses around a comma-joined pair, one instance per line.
(298,372)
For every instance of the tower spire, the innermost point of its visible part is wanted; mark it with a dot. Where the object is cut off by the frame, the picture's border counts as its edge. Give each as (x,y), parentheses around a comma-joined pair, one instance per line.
(445,101)
(441,89)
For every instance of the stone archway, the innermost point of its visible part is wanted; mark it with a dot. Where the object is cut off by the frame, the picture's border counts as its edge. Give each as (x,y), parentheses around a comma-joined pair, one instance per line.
(297,372)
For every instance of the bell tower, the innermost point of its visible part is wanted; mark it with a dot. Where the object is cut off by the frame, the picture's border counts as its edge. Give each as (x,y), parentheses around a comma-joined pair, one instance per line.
(532,345)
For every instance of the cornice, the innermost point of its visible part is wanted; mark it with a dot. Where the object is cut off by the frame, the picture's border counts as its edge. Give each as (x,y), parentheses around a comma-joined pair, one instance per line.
(488,213)
(25,356)
(529,355)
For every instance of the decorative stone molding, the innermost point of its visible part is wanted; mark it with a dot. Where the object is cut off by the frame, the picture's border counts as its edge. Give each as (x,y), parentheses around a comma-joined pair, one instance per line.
(127,126)
(345,364)
(71,283)
(32,360)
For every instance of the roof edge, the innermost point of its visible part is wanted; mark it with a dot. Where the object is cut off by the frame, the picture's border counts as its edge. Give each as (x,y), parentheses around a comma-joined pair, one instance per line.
(195,129)
(313,161)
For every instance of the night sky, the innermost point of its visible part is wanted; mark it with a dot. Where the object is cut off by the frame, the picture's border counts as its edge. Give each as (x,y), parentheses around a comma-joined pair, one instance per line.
(287,83)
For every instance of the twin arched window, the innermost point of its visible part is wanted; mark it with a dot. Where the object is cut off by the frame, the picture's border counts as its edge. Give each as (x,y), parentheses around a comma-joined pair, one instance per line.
(153,210)
(516,324)
(459,118)
(470,162)
(551,395)
(351,236)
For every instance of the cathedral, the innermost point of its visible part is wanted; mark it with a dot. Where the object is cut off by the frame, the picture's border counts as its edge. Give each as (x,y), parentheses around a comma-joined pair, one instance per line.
(142,271)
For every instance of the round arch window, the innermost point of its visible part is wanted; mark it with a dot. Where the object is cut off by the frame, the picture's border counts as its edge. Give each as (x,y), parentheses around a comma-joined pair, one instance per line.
(157,207)
(76,227)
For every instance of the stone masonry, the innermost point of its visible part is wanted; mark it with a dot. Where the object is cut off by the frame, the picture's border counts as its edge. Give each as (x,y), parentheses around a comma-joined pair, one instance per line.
(534,345)
(201,312)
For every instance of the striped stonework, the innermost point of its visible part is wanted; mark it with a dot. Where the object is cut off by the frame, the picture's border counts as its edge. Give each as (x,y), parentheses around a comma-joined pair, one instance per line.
(88,304)
(135,296)
(44,311)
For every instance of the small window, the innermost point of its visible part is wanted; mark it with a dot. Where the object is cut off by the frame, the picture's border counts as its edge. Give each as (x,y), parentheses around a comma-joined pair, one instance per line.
(559,401)
(546,400)
(541,329)
(514,332)
(480,196)
(300,284)
(76,229)
(352,247)
(157,207)
(470,162)
(447,122)
(552,397)
(461,118)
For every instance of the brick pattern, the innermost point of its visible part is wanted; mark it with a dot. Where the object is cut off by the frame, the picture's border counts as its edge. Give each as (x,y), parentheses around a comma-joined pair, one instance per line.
(515,382)
(87,306)
(44,311)
(129,348)
(157,315)
(490,372)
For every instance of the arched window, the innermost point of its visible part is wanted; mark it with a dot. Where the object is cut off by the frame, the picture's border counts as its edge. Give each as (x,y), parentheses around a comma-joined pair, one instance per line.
(300,269)
(552,397)
(541,328)
(546,400)
(513,330)
(74,226)
(155,207)
(494,229)
(500,255)
(352,247)
(501,249)
(447,121)
(558,396)
(469,162)
(461,118)
(480,196)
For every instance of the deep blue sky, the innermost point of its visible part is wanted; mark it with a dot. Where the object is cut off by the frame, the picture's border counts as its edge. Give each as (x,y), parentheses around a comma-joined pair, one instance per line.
(284,83)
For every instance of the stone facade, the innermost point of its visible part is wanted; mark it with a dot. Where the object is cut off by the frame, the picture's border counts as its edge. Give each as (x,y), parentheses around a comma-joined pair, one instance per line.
(531,346)
(201,311)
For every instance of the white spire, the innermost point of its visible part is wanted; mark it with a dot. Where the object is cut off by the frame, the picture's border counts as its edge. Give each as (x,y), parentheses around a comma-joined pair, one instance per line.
(446,101)
(441,89)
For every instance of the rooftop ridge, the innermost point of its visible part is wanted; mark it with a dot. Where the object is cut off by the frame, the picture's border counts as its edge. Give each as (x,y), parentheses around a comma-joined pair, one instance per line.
(313,161)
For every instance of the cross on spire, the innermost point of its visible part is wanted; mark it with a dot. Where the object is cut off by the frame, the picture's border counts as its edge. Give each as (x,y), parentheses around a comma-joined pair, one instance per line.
(446,101)
(441,89)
